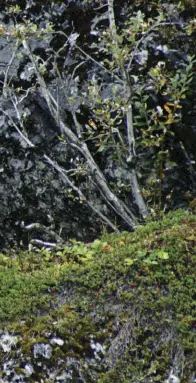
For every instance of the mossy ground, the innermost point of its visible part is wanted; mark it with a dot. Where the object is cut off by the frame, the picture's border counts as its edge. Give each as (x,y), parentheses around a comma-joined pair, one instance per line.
(135,293)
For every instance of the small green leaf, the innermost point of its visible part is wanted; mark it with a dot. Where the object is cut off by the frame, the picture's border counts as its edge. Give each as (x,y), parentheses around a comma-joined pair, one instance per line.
(87,257)
(141,254)
(129,261)
(162,254)
(96,244)
(101,148)
(150,262)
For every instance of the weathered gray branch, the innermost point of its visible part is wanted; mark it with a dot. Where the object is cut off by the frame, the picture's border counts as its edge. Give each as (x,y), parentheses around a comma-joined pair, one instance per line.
(21,134)
(129,115)
(82,197)
(44,229)
(74,141)
(5,83)
(65,178)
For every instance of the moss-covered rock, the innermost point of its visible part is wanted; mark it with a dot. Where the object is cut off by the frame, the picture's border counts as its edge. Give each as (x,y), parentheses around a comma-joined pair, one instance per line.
(121,309)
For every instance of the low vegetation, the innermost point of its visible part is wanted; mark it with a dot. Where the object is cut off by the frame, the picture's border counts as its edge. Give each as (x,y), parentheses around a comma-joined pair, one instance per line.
(134,293)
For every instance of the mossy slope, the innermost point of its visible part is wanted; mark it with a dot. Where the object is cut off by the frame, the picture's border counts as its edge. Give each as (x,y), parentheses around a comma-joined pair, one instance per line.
(123,306)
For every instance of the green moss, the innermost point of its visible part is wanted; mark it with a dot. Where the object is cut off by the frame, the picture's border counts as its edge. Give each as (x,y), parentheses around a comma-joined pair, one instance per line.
(135,291)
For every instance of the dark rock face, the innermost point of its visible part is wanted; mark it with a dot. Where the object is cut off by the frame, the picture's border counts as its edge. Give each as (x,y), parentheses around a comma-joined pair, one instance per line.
(30,190)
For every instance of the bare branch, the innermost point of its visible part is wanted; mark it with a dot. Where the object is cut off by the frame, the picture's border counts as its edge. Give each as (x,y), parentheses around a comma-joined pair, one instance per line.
(129,115)
(112,22)
(42,228)
(79,192)
(93,60)
(143,38)
(101,6)
(5,84)
(81,146)
(21,134)
(39,242)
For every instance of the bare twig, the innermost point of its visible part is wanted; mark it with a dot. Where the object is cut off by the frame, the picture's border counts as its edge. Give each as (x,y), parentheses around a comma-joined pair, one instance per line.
(129,116)
(79,192)
(5,84)
(44,229)
(39,242)
(143,38)
(99,64)
(21,134)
